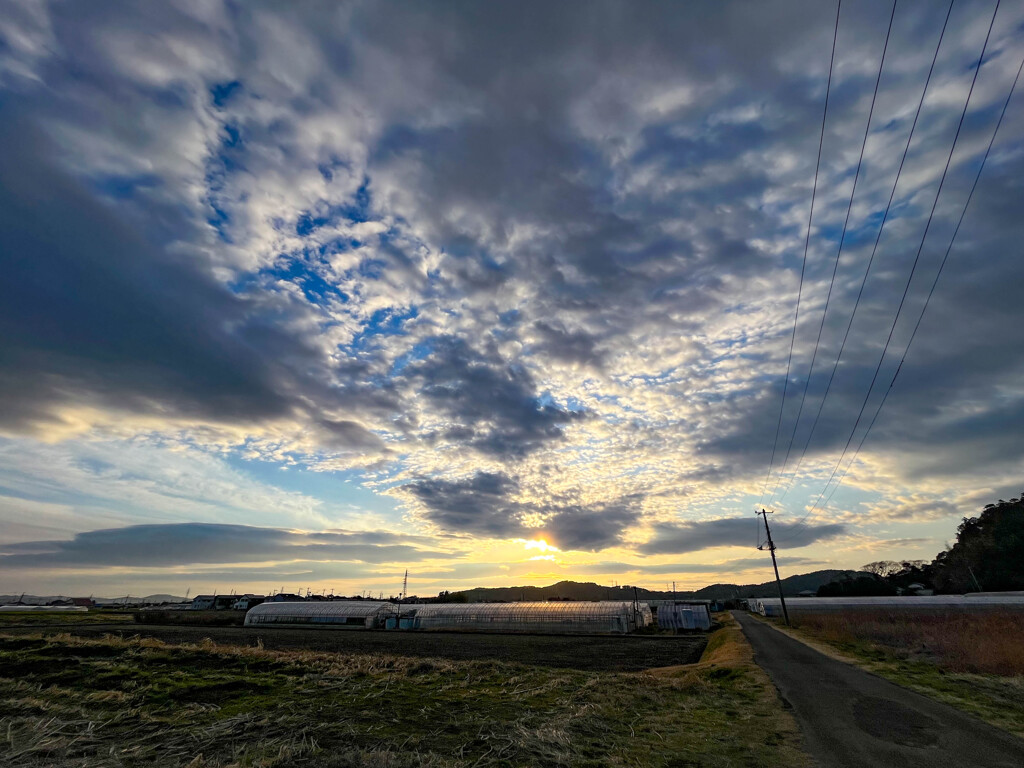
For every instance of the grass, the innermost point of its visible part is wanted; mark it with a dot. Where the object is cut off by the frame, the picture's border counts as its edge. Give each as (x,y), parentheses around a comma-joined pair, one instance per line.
(972,661)
(77,618)
(585,653)
(71,701)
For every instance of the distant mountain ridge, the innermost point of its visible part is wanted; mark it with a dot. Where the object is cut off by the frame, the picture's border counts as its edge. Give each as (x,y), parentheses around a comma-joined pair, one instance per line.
(574,590)
(44,599)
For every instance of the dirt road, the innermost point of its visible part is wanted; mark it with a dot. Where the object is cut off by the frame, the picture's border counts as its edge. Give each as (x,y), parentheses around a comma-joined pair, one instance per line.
(852,719)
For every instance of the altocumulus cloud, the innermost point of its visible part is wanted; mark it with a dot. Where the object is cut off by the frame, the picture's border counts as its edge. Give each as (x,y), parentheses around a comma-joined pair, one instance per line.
(532,276)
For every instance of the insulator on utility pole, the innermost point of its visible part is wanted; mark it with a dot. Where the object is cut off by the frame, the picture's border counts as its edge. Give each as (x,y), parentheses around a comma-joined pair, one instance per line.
(771,548)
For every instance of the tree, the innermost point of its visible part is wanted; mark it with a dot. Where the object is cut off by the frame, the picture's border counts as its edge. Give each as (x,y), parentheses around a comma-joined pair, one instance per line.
(882,568)
(862,586)
(450,597)
(988,553)
(912,572)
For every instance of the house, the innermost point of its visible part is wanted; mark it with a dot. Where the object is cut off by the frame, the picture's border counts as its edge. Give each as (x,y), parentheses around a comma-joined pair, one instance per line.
(245,602)
(203,602)
(917,589)
(285,597)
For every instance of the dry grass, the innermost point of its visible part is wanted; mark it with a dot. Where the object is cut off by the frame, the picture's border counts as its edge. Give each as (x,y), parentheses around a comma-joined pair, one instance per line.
(981,643)
(71,701)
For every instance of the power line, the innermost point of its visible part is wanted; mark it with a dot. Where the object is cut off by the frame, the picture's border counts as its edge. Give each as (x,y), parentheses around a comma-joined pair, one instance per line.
(913,269)
(935,282)
(807,240)
(878,238)
(835,268)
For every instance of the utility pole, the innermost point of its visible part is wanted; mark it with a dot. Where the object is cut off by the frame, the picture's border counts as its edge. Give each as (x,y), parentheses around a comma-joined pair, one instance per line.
(405,587)
(771,548)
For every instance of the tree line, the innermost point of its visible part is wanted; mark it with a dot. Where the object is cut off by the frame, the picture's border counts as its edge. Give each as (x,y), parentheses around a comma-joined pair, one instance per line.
(987,556)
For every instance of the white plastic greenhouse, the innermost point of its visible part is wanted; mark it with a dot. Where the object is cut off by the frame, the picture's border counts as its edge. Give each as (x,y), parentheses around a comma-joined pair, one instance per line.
(770,606)
(555,617)
(684,616)
(356,614)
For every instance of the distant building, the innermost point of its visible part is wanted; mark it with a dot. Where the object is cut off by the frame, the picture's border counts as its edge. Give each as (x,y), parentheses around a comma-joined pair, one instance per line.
(285,597)
(203,602)
(917,589)
(83,602)
(245,602)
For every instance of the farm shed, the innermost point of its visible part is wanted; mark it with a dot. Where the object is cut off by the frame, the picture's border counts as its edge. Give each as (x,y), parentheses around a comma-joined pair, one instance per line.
(357,614)
(684,616)
(556,617)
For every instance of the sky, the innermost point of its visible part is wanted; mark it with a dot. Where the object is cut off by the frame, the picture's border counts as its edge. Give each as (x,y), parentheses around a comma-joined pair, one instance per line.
(305,295)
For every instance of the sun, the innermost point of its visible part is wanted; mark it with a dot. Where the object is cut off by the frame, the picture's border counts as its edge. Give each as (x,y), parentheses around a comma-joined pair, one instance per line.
(539,544)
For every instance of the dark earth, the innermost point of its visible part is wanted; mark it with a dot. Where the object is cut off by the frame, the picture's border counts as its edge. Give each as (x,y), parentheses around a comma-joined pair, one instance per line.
(614,653)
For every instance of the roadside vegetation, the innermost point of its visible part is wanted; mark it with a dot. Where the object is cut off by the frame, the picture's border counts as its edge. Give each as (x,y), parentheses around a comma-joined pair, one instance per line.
(72,701)
(988,555)
(970,660)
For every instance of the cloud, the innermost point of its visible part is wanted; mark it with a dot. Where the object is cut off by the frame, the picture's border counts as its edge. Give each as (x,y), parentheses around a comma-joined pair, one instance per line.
(538,270)
(571,346)
(184,544)
(480,504)
(680,538)
(96,316)
(487,504)
(491,405)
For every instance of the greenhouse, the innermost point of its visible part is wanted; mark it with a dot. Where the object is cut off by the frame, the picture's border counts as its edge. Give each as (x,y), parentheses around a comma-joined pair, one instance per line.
(684,616)
(771,606)
(555,617)
(354,614)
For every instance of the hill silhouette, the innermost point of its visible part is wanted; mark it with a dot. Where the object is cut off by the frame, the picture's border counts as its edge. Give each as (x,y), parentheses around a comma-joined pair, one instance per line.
(574,590)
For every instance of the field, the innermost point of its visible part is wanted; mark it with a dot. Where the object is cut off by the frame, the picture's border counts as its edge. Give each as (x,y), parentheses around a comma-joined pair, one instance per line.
(62,618)
(608,653)
(974,661)
(69,700)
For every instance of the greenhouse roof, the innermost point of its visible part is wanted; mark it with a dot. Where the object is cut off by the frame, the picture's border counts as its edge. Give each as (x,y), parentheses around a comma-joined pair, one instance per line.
(603,608)
(324,608)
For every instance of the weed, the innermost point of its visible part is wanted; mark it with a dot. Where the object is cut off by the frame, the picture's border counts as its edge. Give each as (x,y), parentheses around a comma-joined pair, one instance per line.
(976,642)
(71,701)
